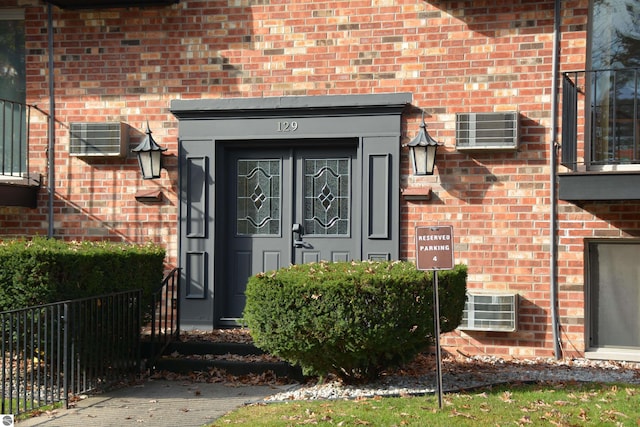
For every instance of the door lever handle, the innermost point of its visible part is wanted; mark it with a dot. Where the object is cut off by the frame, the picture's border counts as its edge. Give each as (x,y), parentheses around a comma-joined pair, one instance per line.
(302,244)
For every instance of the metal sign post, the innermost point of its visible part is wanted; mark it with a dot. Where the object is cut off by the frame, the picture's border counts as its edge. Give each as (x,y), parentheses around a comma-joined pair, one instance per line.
(434,251)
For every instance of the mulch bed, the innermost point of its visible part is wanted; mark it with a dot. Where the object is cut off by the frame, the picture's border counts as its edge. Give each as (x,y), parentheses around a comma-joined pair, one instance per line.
(422,364)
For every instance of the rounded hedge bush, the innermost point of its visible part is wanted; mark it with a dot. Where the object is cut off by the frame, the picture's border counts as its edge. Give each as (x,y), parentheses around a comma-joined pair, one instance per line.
(353,319)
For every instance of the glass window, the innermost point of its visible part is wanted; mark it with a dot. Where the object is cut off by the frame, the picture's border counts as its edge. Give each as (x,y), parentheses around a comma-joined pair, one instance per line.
(614,82)
(12,93)
(614,295)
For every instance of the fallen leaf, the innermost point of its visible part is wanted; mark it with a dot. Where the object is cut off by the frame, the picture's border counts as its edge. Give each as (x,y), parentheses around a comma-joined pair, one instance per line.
(616,414)
(525,420)
(583,414)
(506,397)
(455,413)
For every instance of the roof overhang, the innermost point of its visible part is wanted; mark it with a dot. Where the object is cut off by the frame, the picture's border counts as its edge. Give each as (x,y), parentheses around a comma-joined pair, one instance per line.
(105,4)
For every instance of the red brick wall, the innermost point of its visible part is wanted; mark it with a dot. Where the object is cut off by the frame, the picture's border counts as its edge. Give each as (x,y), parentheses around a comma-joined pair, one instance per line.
(485,55)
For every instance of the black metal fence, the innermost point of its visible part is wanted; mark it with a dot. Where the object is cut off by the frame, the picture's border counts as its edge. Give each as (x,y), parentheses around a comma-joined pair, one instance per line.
(55,351)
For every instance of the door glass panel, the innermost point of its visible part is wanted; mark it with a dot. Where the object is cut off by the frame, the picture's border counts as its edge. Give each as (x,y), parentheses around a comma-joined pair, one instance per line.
(614,295)
(258,197)
(13,112)
(615,46)
(327,195)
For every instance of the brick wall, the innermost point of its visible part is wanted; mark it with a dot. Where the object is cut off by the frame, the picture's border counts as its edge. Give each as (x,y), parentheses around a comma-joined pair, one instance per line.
(486,55)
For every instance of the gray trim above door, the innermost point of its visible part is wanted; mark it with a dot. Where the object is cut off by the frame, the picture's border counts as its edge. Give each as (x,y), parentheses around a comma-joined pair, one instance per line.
(372,121)
(340,105)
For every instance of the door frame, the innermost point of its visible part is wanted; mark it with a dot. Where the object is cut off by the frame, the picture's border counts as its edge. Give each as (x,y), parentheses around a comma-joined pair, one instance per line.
(281,246)
(375,121)
(616,304)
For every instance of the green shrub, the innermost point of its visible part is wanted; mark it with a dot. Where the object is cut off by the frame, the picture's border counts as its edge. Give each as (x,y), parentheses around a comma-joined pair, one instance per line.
(41,271)
(353,319)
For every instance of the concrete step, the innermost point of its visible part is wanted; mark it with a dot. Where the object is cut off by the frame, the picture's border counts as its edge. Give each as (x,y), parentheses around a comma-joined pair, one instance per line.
(184,357)
(199,347)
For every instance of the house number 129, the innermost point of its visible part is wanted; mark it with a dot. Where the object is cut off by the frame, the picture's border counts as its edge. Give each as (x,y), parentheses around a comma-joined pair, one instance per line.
(287,126)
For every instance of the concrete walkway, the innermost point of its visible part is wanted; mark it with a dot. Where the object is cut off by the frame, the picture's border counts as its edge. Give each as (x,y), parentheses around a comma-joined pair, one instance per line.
(156,403)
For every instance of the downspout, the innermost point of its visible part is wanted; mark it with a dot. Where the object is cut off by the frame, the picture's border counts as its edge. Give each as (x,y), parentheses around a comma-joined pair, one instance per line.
(52,125)
(553,267)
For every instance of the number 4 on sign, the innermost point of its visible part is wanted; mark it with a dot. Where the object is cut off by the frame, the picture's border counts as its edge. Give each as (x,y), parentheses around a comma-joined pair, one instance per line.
(435,258)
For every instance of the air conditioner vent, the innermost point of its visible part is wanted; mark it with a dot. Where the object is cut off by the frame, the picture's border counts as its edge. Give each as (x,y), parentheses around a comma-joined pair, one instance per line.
(490,312)
(487,131)
(98,139)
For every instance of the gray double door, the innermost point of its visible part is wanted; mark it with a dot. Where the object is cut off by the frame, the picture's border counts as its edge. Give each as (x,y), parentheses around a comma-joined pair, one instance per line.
(287,206)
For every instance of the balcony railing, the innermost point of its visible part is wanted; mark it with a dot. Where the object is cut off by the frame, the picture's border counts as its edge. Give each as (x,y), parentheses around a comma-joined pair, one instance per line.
(14,134)
(607,100)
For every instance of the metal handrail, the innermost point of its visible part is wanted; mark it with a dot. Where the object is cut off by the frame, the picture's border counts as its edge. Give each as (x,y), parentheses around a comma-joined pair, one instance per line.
(164,326)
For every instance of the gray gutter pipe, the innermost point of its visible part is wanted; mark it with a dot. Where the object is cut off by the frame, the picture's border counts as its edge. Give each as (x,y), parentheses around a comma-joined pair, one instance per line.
(553,243)
(52,126)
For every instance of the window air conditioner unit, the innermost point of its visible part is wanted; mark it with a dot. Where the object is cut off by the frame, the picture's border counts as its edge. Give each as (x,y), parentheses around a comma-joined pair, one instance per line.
(98,139)
(487,131)
(490,312)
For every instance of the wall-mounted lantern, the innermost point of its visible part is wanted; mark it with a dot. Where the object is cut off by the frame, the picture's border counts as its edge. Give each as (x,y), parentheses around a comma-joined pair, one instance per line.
(423,151)
(149,156)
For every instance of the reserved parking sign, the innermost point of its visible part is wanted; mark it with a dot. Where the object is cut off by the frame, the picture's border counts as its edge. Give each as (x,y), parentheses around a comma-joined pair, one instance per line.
(434,248)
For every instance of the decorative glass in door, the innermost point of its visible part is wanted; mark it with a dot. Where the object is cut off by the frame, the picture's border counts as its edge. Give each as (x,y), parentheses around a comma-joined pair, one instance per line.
(258,208)
(327,197)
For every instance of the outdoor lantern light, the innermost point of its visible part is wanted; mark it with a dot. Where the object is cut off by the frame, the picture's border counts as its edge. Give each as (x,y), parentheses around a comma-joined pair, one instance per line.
(149,156)
(423,151)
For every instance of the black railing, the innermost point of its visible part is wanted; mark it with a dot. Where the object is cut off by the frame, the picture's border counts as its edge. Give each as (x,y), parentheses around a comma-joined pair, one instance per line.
(569,122)
(164,322)
(609,101)
(14,137)
(54,351)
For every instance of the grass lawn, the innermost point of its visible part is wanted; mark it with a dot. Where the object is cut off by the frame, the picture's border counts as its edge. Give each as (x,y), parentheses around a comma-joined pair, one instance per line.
(566,404)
